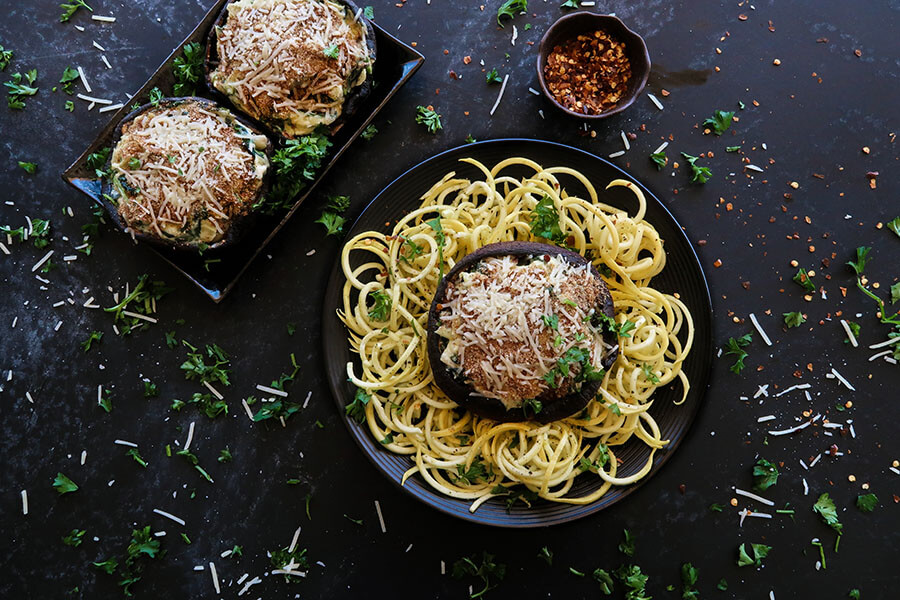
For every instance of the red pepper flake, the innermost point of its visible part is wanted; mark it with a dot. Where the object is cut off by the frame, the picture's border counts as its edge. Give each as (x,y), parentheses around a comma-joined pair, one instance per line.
(589,73)
(718,263)
(467,60)
(453,75)
(822,40)
(873,182)
(742,17)
(857,52)
(682,488)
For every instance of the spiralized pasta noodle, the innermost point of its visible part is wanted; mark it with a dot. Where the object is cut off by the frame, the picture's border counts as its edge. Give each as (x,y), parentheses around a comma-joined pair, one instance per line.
(455,451)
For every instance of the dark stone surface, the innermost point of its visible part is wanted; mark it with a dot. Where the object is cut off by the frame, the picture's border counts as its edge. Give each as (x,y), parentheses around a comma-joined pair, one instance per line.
(809,126)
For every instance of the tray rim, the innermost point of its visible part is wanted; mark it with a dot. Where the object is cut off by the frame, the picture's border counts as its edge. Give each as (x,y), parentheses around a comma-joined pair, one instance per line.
(218,293)
(431,497)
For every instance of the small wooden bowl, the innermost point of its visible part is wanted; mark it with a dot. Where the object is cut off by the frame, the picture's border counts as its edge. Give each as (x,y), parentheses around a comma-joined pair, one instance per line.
(576,23)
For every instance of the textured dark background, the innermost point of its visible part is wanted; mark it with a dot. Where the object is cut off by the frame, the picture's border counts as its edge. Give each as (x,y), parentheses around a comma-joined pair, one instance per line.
(815,112)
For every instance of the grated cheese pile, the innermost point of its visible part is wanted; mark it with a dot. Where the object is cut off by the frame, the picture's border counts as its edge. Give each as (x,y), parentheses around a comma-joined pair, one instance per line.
(496,321)
(184,172)
(277,61)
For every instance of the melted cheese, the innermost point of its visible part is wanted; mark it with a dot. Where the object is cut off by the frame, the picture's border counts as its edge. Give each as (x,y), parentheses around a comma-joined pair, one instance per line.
(495,320)
(274,66)
(184,172)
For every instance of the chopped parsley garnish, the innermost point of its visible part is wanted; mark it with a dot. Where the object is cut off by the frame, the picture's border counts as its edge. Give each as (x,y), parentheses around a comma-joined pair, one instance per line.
(438,229)
(369,12)
(493,76)
(604,579)
(688,581)
(64,485)
(195,462)
(802,279)
(5,57)
(352,520)
(626,546)
(893,225)
(719,122)
(489,571)
(634,581)
(698,174)
(571,4)
(532,406)
(296,559)
(825,507)
(69,77)
(759,552)
(156,97)
(551,321)
(70,106)
(765,475)
(356,410)
(381,310)
(476,471)
(733,149)
(722,585)
(647,370)
(544,221)
(105,401)
(469,139)
(853,594)
(28,167)
(141,301)
(70,8)
(369,132)
(659,159)
(866,502)
(576,572)
(428,117)
(295,164)
(196,367)
(546,554)
(794,319)
(510,9)
(858,266)
(895,293)
(332,217)
(187,70)
(332,51)
(133,453)
(514,494)
(18,91)
(280,408)
(207,403)
(74,538)
(610,324)
(409,250)
(95,336)
(736,347)
(715,507)
(96,161)
(150,390)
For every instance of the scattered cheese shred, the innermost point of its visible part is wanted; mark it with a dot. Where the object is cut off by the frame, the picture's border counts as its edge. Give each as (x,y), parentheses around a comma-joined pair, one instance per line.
(500,95)
(760,330)
(215,576)
(380,517)
(24,502)
(84,80)
(273,391)
(753,496)
(163,513)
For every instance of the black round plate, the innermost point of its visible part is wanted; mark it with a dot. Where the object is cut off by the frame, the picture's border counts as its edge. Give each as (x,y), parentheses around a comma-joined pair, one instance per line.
(682,274)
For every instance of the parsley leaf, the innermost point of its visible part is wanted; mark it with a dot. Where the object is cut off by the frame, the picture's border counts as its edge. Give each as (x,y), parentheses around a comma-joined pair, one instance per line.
(895,293)
(369,132)
(332,216)
(297,559)
(546,554)
(853,594)
(5,57)
(17,90)
(765,475)
(532,406)
(133,453)
(64,485)
(605,580)
(74,538)
(659,159)
(382,308)
(867,502)
(438,229)
(803,280)
(862,258)
(428,117)
(626,546)
(571,4)
(698,174)
(356,410)
(732,149)
(224,455)
(196,367)
(688,581)
(94,337)
(331,51)
(736,347)
(794,319)
(893,225)
(719,122)
(70,9)
(647,370)
(715,507)
(552,321)
(493,76)
(476,471)
(826,508)
(486,571)
(510,9)
(28,167)
(369,12)
(69,77)
(514,494)
(187,70)
(155,96)
(544,221)
(722,585)
(759,551)
(470,140)
(295,164)
(634,580)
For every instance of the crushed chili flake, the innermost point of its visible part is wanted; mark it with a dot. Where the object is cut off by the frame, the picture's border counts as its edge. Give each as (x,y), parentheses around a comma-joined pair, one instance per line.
(588,74)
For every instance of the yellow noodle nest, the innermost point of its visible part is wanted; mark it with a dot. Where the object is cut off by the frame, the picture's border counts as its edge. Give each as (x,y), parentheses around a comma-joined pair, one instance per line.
(410,415)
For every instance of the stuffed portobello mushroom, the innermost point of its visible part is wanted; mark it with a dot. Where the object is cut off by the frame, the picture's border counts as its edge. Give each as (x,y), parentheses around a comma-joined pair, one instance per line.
(516,332)
(294,65)
(186,173)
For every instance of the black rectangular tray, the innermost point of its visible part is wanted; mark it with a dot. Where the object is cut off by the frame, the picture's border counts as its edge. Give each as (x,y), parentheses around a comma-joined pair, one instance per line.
(395,64)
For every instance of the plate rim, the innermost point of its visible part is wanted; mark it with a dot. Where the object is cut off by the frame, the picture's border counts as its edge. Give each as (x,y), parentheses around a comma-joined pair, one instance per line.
(431,497)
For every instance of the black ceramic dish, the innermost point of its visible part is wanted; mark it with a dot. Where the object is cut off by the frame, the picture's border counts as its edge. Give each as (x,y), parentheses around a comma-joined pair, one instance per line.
(356,97)
(460,392)
(397,62)
(682,274)
(239,225)
(573,24)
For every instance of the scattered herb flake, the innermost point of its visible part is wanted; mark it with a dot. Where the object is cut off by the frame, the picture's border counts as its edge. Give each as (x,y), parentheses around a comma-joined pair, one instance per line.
(794,319)
(428,117)
(736,347)
(64,485)
(719,122)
